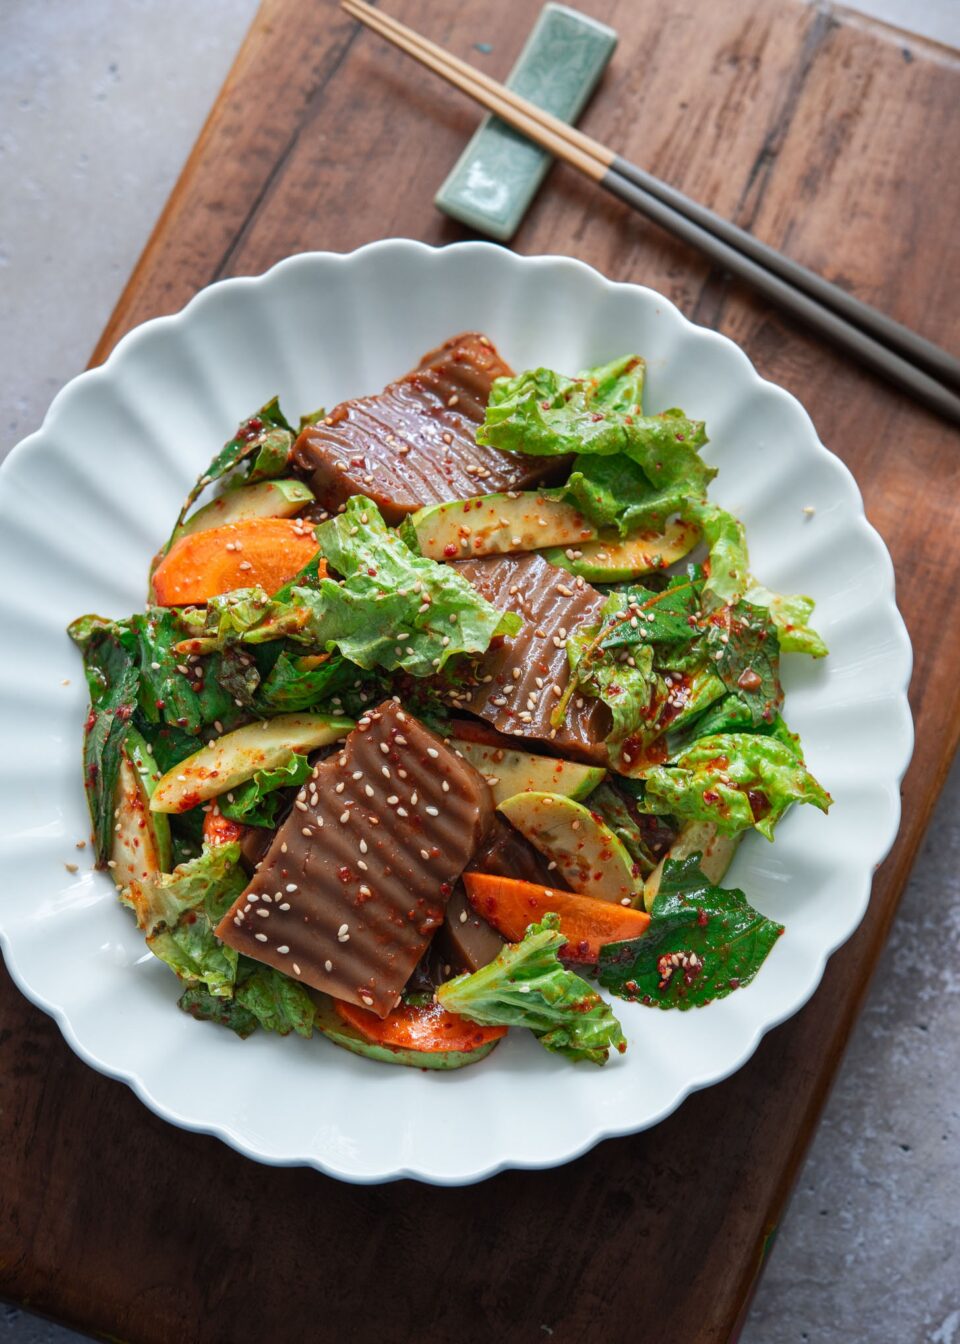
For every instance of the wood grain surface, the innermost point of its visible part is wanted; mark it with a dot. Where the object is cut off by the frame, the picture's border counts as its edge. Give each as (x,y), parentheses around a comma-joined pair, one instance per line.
(827,136)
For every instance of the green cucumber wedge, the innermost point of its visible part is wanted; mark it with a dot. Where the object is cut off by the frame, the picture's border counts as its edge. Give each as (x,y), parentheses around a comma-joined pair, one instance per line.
(266,499)
(716,850)
(498,524)
(589,857)
(509,772)
(342,1034)
(141,838)
(619,561)
(237,756)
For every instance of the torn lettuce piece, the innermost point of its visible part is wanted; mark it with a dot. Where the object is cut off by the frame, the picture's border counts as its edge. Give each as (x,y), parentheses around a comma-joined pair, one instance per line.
(213,880)
(702,943)
(244,616)
(730,580)
(597,413)
(206,1007)
(614,494)
(527,986)
(256,801)
(278,1002)
(179,911)
(790,614)
(263,997)
(734,780)
(394,608)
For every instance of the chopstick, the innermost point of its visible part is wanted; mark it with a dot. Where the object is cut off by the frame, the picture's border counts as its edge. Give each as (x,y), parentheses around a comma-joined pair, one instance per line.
(823,306)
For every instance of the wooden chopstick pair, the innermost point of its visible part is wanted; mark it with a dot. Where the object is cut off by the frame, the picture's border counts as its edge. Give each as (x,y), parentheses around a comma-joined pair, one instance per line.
(899,354)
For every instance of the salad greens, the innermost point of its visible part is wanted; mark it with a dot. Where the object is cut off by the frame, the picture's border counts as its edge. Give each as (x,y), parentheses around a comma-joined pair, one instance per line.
(685,661)
(735,780)
(703,942)
(527,986)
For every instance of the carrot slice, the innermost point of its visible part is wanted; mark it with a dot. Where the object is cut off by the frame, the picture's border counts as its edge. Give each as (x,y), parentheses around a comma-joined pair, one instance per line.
(586,923)
(218,829)
(431,1028)
(268,552)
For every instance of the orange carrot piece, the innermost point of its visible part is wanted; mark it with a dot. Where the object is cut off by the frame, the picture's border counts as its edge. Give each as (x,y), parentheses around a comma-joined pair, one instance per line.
(218,829)
(268,552)
(586,923)
(430,1029)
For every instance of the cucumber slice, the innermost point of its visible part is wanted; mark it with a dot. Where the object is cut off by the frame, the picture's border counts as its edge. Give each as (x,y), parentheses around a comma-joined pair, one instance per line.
(716,850)
(497,524)
(141,839)
(266,499)
(509,772)
(618,561)
(342,1034)
(238,756)
(590,858)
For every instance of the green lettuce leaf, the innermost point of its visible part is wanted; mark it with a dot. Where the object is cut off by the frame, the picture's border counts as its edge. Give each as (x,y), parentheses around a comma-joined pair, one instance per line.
(245,616)
(730,580)
(110,665)
(178,912)
(296,683)
(278,1002)
(726,713)
(206,1007)
(614,494)
(213,881)
(527,986)
(256,801)
(263,997)
(735,781)
(790,615)
(703,942)
(393,608)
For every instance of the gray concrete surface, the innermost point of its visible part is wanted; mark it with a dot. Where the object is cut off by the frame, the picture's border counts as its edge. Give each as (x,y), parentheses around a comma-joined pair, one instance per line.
(99,103)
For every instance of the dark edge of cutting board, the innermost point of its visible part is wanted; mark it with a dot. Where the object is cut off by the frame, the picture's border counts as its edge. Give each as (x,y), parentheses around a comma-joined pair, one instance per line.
(780,115)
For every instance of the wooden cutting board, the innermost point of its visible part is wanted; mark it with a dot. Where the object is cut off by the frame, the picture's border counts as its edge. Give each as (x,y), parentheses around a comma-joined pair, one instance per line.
(827,136)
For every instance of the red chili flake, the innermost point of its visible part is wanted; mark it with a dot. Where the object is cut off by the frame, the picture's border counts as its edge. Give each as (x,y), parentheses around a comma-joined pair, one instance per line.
(344,873)
(449,550)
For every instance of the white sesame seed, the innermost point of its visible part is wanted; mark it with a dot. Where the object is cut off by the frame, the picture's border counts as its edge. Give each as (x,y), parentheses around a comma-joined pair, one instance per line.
(283,950)
(463,916)
(340,787)
(344,818)
(432,811)
(385,748)
(432,751)
(296,969)
(328,966)
(424,853)
(368,790)
(367,1000)
(260,937)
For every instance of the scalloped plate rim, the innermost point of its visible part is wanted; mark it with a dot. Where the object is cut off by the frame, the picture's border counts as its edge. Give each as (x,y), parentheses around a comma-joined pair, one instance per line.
(883,844)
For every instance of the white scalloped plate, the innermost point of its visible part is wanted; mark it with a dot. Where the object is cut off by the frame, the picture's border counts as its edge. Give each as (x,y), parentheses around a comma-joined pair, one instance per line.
(84,503)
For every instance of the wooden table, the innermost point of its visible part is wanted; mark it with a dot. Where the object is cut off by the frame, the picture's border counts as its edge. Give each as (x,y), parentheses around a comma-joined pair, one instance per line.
(829,137)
